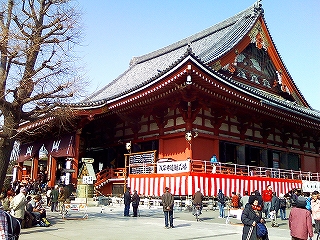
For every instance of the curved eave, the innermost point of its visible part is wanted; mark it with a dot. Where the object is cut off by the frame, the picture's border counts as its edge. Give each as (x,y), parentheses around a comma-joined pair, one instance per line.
(282,64)
(261,96)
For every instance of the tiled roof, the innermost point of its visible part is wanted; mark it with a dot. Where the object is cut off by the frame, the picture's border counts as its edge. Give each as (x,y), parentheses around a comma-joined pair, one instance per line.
(208,45)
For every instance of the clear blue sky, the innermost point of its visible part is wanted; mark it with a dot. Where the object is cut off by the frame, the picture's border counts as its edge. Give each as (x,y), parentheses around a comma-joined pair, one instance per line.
(117,30)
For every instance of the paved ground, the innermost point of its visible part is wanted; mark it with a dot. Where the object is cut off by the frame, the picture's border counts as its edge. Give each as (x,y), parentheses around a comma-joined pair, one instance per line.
(110,224)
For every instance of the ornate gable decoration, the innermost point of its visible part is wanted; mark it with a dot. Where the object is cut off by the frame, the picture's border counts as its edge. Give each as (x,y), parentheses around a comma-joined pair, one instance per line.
(258,36)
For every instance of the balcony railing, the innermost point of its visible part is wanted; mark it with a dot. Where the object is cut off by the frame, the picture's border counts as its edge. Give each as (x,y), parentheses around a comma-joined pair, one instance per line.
(246,170)
(242,170)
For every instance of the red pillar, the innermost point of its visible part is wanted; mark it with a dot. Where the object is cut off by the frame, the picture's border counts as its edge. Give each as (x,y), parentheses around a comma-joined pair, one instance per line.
(75,160)
(34,168)
(160,153)
(216,148)
(52,168)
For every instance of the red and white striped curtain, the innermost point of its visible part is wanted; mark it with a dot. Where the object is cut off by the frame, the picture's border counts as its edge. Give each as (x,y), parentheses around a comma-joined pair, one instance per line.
(187,183)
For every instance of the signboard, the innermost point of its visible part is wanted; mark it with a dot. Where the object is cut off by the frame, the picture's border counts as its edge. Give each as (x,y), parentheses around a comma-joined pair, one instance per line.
(87,160)
(87,180)
(68,170)
(310,186)
(142,162)
(173,167)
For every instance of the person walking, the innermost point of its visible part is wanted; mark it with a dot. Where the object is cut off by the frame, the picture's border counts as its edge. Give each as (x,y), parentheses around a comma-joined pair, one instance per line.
(267,197)
(127,201)
(61,199)
(300,221)
(221,203)
(135,203)
(315,208)
(54,198)
(282,206)
(167,203)
(197,199)
(251,216)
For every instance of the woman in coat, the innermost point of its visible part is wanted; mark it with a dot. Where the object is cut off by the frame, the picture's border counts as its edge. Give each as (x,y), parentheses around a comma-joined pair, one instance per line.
(135,203)
(252,215)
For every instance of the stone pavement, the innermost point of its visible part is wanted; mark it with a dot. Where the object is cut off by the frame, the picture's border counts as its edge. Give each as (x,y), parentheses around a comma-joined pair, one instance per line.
(109,223)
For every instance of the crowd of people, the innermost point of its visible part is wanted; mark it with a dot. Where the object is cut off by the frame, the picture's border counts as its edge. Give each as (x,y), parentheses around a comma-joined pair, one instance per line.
(26,203)
(256,207)
(27,207)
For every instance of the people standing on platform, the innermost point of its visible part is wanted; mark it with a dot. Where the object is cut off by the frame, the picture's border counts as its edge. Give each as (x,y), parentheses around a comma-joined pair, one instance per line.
(282,206)
(18,205)
(315,208)
(167,203)
(300,221)
(267,197)
(54,199)
(135,203)
(251,216)
(127,201)
(197,199)
(221,203)
(214,161)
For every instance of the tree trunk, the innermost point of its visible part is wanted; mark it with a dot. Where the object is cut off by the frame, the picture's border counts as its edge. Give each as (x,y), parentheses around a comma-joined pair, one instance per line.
(6,147)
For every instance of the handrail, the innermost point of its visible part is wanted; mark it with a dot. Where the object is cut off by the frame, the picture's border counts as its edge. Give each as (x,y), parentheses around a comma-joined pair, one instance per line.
(238,169)
(222,168)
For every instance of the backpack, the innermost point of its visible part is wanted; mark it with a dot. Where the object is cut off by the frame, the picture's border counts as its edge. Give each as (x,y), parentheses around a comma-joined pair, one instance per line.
(14,227)
(262,230)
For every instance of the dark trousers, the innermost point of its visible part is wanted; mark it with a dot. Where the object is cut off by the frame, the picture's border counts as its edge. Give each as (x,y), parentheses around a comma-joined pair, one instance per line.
(54,206)
(168,217)
(316,226)
(135,211)
(126,210)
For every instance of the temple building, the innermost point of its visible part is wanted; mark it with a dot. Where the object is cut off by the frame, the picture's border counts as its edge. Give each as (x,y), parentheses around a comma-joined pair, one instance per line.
(224,91)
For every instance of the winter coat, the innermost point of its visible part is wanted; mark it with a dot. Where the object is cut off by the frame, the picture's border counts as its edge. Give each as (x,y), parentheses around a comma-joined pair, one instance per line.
(197,198)
(18,205)
(315,207)
(300,223)
(275,204)
(167,201)
(248,217)
(282,203)
(127,198)
(135,200)
(54,195)
(62,195)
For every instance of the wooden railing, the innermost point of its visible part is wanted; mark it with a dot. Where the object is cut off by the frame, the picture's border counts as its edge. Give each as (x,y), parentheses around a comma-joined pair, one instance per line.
(220,168)
(246,170)
(109,173)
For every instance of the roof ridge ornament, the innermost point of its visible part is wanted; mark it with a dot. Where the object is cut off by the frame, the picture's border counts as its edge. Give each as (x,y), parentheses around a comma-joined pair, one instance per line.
(189,49)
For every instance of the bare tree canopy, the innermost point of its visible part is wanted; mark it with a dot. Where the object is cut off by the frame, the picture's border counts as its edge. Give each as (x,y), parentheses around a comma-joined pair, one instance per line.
(37,66)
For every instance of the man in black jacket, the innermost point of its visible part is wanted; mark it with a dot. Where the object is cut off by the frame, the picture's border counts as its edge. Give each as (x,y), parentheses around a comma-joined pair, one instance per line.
(127,201)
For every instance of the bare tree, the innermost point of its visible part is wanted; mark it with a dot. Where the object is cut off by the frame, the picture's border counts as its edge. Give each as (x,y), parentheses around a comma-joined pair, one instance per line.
(37,68)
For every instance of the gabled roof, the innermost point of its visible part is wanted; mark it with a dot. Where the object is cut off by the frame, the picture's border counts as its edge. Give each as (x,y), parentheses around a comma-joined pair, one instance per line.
(208,45)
